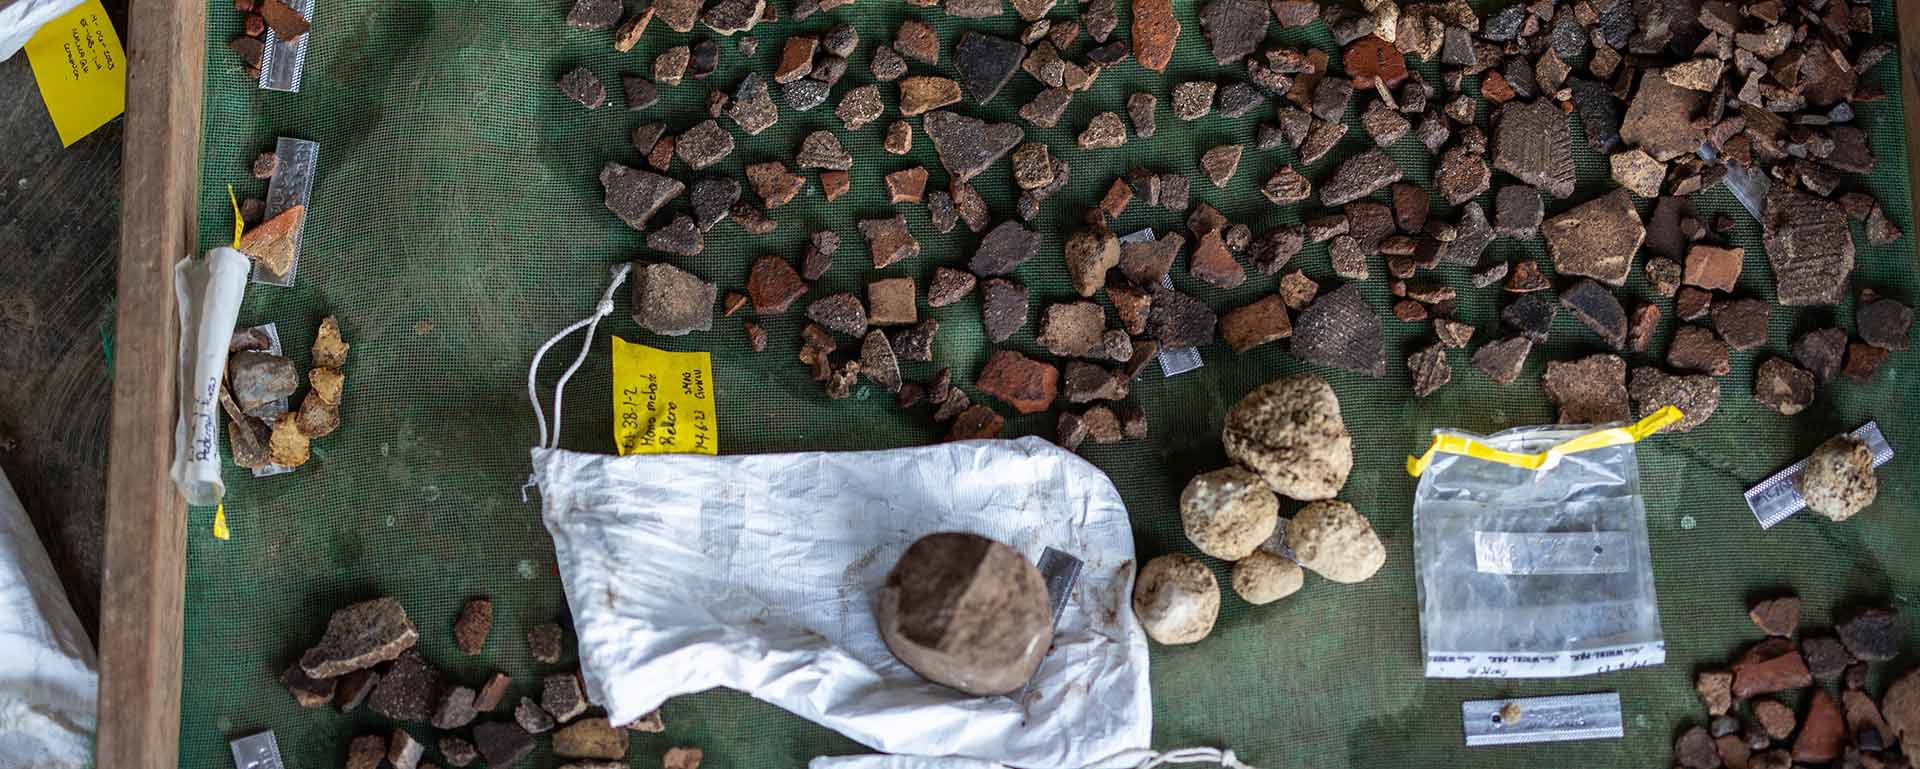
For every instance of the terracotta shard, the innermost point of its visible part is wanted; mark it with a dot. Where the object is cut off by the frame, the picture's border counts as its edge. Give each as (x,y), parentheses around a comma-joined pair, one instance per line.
(1155,31)
(1341,330)
(1660,119)
(1597,239)
(1532,141)
(1358,177)
(1028,385)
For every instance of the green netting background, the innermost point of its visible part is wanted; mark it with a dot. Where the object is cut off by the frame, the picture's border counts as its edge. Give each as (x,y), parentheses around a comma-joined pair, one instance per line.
(456,222)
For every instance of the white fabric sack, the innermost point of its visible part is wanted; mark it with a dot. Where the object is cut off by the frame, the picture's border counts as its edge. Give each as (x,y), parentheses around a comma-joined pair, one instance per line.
(19,19)
(48,687)
(760,573)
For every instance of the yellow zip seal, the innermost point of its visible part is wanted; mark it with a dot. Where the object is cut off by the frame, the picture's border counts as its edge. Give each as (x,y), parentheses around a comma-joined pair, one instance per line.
(1612,436)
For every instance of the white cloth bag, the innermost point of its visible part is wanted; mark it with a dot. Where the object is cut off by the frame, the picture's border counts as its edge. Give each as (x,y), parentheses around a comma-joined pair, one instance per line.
(48,687)
(760,573)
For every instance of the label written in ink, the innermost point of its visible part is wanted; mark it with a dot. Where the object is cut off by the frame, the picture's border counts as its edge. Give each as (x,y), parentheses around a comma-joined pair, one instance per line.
(662,401)
(81,70)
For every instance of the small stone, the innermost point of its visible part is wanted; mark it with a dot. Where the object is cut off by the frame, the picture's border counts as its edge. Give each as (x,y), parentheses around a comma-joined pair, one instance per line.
(1880,230)
(1452,333)
(922,93)
(1032,166)
(1086,382)
(1358,177)
(545,643)
(877,361)
(360,636)
(1712,267)
(1872,634)
(1046,108)
(1220,163)
(1824,732)
(1132,305)
(1533,142)
(1883,322)
(1779,617)
(967,145)
(840,312)
(888,240)
(682,758)
(1692,303)
(408,690)
(492,693)
(916,343)
(1004,249)
(1742,322)
(973,9)
(671,65)
(590,738)
(1237,99)
(1373,59)
(1089,255)
(456,709)
(1192,99)
(1659,119)
(756,336)
(1598,309)
(1348,257)
(1590,390)
(1384,123)
(1409,311)
(561,697)
(976,422)
(1251,325)
(886,64)
(915,39)
(822,149)
(1531,315)
(1155,31)
(859,107)
(1321,139)
(1462,176)
(1214,263)
(1639,172)
(457,752)
(679,237)
(1862,361)
(1410,206)
(704,145)
(1003,308)
(796,59)
(670,301)
(1331,97)
(906,185)
(1145,263)
(1698,349)
(1276,248)
(1821,352)
(584,89)
(1430,369)
(819,256)
(470,629)
(949,285)
(1827,658)
(986,63)
(1696,396)
(730,16)
(1715,688)
(1179,320)
(1340,330)
(502,744)
(1502,360)
(1694,749)
(1233,28)
(1596,239)
(1287,187)
(1028,385)
(713,198)
(635,195)
(1104,131)
(1783,387)
(1496,272)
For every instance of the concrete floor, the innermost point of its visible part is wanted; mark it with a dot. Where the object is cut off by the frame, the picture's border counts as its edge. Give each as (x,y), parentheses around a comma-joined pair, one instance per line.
(59,247)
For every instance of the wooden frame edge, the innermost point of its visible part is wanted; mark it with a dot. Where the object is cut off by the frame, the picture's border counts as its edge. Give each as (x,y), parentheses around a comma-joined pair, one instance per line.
(145,565)
(1909,64)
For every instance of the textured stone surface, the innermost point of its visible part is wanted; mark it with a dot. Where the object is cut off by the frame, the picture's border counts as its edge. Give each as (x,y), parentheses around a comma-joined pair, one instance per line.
(1742,322)
(1251,325)
(1179,320)
(1532,141)
(1341,330)
(703,145)
(1008,245)
(1590,390)
(967,145)
(1597,239)
(1358,177)
(1028,385)
(1233,28)
(1430,369)
(1502,360)
(1003,308)
(889,240)
(1698,349)
(1598,309)
(1155,31)
(1696,396)
(1660,119)
(920,94)
(1783,387)
(1145,263)
(1462,175)
(635,195)
(1883,322)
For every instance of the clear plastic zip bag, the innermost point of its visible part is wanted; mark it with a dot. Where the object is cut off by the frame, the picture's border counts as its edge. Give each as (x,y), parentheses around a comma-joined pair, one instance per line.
(1531,555)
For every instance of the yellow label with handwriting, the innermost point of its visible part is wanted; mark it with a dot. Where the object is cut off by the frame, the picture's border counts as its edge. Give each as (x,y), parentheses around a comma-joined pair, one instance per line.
(81,70)
(662,401)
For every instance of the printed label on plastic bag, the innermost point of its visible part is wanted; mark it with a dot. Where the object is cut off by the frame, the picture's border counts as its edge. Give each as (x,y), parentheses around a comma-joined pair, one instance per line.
(662,401)
(1525,552)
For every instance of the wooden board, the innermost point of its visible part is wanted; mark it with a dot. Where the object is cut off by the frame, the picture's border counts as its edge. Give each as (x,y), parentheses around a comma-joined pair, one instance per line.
(1909,29)
(140,612)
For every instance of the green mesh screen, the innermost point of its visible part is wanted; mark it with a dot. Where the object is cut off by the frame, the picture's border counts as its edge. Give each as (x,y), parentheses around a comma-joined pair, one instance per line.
(456,222)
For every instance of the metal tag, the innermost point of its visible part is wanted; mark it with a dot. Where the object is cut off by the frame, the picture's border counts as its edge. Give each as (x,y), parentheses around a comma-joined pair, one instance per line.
(1521,553)
(1060,569)
(282,62)
(1173,361)
(1777,498)
(291,186)
(257,751)
(1527,720)
(1747,185)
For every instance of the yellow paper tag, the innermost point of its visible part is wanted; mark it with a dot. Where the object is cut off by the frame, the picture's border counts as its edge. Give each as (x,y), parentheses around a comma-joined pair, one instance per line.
(220,530)
(81,70)
(662,401)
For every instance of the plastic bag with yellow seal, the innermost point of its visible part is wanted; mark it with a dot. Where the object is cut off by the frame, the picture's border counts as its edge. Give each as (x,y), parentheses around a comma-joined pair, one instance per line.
(1530,548)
